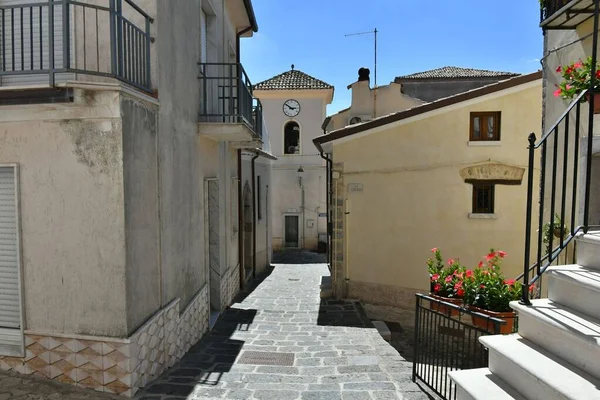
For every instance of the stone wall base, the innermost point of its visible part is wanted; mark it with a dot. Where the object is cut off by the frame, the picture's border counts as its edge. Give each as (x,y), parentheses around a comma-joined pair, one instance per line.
(114,365)
(230,286)
(385,302)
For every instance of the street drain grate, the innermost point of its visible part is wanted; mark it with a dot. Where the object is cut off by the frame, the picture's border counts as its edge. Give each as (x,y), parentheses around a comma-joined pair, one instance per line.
(266,358)
(294,280)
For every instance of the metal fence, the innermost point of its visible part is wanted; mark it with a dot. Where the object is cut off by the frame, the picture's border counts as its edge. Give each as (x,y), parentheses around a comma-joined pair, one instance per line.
(68,36)
(549,7)
(447,340)
(226,96)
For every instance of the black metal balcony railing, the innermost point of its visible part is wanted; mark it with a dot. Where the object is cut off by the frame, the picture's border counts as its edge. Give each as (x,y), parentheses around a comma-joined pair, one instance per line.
(68,36)
(226,96)
(550,7)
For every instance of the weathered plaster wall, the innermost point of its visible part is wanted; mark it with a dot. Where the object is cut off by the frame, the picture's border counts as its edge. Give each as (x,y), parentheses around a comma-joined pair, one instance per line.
(72,214)
(413,197)
(140,171)
(181,180)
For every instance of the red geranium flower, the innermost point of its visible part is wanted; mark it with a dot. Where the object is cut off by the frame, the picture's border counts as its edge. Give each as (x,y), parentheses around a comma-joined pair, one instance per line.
(480,264)
(559,69)
(435,277)
(598,74)
(502,254)
(449,279)
(434,250)
(460,293)
(531,287)
(451,261)
(557,92)
(509,282)
(437,287)
(482,286)
(578,64)
(490,256)
(469,273)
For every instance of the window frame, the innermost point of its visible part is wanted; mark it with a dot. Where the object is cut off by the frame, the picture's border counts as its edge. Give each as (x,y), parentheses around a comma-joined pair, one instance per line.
(483,135)
(492,196)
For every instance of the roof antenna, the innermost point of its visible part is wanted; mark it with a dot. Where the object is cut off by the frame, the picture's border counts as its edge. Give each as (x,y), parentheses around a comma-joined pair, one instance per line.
(292,67)
(375,31)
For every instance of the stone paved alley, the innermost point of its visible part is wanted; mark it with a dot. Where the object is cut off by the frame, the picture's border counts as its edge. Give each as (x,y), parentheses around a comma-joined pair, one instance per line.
(331,351)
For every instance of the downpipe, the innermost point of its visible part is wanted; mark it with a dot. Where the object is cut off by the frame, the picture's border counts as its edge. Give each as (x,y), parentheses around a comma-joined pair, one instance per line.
(254,221)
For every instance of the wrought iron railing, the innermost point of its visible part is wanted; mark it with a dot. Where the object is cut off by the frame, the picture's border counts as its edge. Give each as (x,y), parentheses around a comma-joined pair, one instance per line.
(445,340)
(226,96)
(564,189)
(67,36)
(550,7)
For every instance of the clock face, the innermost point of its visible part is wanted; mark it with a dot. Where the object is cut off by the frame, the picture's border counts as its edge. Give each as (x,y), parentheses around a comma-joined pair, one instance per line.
(291,108)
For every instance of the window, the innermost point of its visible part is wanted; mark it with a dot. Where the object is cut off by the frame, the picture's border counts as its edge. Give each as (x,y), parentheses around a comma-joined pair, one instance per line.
(291,138)
(258,193)
(483,198)
(485,126)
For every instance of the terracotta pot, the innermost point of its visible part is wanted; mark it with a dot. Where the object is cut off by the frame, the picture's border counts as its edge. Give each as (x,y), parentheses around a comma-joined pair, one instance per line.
(443,308)
(596,101)
(488,325)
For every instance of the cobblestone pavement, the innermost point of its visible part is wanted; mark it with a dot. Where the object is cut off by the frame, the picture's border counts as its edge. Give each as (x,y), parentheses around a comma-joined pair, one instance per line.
(335,352)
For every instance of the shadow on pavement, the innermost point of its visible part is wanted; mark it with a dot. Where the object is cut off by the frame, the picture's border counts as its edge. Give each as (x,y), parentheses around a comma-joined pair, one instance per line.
(347,313)
(298,256)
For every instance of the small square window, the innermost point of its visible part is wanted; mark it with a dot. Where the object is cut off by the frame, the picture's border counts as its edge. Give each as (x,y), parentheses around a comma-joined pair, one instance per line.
(485,126)
(483,198)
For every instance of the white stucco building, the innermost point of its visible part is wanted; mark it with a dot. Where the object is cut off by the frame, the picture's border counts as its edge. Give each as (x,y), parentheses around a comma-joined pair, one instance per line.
(294,107)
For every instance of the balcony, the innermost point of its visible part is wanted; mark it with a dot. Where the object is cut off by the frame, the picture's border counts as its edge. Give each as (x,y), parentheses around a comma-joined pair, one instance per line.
(565,14)
(228,111)
(47,42)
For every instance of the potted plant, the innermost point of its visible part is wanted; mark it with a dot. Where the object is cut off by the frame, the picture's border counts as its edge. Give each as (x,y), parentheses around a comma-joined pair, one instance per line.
(445,282)
(487,291)
(576,77)
(557,227)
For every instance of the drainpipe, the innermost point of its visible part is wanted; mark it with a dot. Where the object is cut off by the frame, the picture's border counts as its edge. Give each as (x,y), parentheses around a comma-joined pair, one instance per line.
(239,173)
(328,186)
(254,221)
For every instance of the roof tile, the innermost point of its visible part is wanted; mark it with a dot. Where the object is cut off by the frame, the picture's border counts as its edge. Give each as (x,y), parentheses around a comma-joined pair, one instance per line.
(292,80)
(456,72)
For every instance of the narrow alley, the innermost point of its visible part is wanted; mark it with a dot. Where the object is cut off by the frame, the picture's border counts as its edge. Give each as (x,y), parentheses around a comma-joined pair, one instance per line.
(283,342)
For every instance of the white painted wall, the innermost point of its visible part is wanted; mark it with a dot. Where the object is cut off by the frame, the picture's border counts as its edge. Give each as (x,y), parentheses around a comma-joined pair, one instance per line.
(286,191)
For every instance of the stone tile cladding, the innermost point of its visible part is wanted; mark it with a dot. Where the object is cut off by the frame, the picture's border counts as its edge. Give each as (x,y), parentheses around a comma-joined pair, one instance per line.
(112,365)
(230,286)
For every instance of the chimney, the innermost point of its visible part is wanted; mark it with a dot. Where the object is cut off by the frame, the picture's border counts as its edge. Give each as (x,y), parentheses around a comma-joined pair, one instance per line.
(362,98)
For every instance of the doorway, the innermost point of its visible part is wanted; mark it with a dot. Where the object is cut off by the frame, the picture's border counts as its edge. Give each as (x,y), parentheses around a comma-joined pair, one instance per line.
(291,231)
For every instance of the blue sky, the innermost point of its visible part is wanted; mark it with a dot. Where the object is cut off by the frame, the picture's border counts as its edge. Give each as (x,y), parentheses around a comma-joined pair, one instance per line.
(414,35)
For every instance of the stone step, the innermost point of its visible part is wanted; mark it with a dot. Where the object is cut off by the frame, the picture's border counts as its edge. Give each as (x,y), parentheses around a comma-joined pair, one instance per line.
(576,287)
(481,384)
(551,325)
(383,329)
(588,250)
(536,373)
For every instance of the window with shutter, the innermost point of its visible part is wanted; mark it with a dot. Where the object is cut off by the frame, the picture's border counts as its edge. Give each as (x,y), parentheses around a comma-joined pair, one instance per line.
(11,338)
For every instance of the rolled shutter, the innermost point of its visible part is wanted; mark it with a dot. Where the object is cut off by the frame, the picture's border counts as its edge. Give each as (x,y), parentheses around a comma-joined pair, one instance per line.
(10,293)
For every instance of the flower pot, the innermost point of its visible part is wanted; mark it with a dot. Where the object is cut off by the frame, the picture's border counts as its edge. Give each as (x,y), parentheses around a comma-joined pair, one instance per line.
(596,101)
(488,325)
(442,307)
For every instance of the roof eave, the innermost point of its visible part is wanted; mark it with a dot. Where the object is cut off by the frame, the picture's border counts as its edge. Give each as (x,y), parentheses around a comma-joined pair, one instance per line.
(251,15)
(427,107)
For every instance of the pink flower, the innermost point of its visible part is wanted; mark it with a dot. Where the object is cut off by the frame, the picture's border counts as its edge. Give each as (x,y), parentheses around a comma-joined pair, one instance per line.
(435,277)
(458,285)
(557,92)
(434,250)
(578,64)
(469,273)
(449,279)
(437,287)
(569,87)
(509,282)
(502,254)
(490,256)
(451,261)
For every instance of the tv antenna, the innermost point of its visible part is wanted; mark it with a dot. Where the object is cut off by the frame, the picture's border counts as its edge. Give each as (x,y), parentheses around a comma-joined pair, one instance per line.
(373,32)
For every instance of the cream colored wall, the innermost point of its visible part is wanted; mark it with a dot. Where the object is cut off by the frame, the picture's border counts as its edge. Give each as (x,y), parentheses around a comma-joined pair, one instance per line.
(414,199)
(72,212)
(389,100)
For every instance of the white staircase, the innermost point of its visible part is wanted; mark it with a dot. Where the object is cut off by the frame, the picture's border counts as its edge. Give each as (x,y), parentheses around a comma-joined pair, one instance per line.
(556,354)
